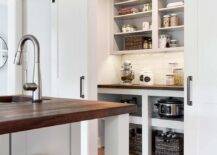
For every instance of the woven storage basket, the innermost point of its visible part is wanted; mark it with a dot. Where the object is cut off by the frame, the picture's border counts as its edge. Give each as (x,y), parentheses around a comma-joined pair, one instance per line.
(168,146)
(133,42)
(135,140)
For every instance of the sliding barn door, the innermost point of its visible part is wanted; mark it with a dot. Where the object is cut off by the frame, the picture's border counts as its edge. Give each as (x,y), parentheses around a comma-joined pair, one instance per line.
(201,88)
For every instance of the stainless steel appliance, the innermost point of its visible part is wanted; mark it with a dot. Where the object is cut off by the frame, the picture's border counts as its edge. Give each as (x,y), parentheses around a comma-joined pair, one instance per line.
(170,107)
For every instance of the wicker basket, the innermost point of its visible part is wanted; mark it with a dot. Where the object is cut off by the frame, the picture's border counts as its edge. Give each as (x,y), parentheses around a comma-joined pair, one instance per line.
(135,139)
(169,146)
(133,42)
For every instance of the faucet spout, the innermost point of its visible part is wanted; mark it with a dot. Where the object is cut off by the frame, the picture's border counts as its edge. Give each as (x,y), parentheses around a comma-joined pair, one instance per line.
(36,81)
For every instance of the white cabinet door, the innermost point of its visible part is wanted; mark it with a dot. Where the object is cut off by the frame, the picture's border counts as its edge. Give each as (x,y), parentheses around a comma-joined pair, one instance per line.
(46,141)
(4,144)
(69,27)
(201,47)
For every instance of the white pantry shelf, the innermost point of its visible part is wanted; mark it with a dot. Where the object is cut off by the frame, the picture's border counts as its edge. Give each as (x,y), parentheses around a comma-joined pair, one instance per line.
(172,9)
(133,15)
(132,33)
(130,3)
(162,123)
(136,120)
(144,51)
(180,27)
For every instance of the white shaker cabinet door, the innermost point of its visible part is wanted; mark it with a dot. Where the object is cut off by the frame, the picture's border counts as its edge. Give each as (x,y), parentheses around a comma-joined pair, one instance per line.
(4,145)
(46,141)
(201,64)
(69,47)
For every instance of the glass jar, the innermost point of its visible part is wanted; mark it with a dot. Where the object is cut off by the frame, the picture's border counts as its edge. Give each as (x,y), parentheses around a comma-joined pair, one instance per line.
(145,44)
(150,43)
(174,20)
(170,80)
(123,28)
(147,7)
(178,77)
(173,43)
(166,21)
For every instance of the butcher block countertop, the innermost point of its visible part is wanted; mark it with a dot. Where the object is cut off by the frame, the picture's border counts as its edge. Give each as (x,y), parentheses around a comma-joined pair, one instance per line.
(17,113)
(154,87)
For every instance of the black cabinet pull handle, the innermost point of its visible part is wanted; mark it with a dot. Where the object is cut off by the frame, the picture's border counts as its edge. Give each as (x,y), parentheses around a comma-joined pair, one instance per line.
(82,78)
(189,80)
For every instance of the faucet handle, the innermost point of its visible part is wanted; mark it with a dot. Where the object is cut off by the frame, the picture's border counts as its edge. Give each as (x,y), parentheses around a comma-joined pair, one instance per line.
(30,86)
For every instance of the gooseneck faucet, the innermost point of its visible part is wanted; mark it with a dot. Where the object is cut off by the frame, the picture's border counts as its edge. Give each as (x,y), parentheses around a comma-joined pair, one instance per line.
(36,85)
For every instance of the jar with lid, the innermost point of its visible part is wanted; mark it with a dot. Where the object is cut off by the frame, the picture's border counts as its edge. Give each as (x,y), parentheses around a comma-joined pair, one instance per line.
(147,7)
(166,21)
(123,28)
(174,20)
(173,43)
(169,79)
(178,77)
(150,43)
(145,44)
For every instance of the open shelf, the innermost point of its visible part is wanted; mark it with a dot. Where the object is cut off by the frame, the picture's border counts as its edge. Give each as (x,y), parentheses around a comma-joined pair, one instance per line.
(133,15)
(132,33)
(172,9)
(164,123)
(181,27)
(144,51)
(130,3)
(136,120)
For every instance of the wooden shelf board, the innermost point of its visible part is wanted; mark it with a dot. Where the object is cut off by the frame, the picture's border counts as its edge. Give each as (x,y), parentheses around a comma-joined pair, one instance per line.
(144,51)
(181,27)
(163,123)
(130,3)
(172,9)
(135,32)
(133,15)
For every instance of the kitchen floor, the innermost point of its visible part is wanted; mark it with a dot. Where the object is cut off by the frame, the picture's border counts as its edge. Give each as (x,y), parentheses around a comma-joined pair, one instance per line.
(101,151)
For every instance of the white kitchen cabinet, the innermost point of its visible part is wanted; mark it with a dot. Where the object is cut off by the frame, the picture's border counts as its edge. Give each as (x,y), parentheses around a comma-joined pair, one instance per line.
(72,67)
(4,144)
(200,58)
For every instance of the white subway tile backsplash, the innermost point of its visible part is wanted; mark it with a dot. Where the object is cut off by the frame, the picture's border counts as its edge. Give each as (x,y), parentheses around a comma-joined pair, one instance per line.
(158,64)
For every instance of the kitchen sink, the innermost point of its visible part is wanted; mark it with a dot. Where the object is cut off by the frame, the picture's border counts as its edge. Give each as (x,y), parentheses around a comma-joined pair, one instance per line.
(16,99)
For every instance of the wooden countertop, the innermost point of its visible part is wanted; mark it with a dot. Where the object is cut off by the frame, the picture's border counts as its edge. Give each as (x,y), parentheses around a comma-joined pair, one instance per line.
(155,87)
(15,117)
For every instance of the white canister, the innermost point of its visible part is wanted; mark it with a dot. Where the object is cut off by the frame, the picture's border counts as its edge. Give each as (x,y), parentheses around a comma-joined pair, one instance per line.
(170,80)
(146,26)
(164,41)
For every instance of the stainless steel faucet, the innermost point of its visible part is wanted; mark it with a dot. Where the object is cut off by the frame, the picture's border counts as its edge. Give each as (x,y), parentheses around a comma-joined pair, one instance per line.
(35,86)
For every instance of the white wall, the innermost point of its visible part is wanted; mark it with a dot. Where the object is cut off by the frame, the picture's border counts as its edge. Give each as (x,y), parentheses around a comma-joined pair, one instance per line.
(39,24)
(3,33)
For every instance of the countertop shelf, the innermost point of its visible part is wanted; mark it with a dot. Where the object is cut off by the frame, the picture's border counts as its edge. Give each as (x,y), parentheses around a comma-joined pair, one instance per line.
(133,15)
(155,87)
(144,51)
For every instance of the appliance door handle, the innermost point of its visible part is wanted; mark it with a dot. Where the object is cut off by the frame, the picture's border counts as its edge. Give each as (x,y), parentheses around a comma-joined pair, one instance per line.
(189,82)
(82,78)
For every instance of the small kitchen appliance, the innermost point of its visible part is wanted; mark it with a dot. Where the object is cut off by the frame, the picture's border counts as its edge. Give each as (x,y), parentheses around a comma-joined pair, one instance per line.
(170,107)
(146,78)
